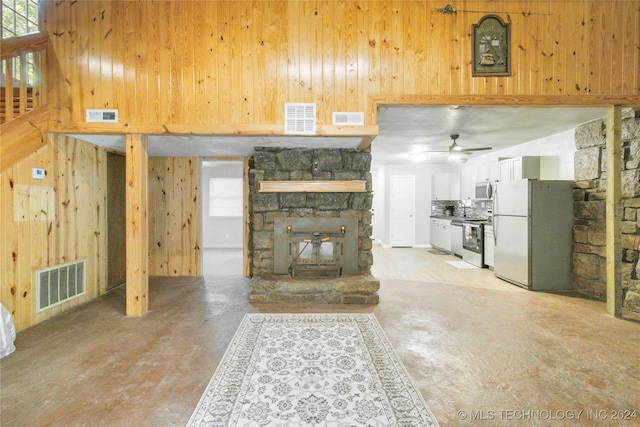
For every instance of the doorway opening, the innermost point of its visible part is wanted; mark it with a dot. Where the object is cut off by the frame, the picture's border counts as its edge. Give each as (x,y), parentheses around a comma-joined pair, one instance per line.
(116,220)
(222,217)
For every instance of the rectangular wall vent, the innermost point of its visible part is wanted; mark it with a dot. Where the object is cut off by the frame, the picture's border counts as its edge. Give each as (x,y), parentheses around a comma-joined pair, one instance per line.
(299,119)
(59,284)
(350,118)
(105,116)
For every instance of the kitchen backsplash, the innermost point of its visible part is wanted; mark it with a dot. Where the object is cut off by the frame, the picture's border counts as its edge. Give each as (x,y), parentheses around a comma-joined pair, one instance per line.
(462,208)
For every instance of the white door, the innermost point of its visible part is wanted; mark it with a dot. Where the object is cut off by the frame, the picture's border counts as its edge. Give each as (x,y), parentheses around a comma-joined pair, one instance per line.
(402,201)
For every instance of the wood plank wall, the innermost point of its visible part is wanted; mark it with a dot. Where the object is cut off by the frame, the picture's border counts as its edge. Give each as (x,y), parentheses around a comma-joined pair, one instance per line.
(174,216)
(225,62)
(52,221)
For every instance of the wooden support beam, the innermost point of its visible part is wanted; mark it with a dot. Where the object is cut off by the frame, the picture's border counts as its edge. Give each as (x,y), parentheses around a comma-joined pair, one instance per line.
(313,186)
(613,210)
(137,227)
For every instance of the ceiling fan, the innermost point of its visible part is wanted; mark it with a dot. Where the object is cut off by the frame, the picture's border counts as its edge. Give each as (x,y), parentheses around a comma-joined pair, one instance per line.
(455,150)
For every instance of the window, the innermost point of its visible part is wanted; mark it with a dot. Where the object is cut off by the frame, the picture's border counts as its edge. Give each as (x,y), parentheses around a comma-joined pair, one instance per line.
(19,17)
(225,197)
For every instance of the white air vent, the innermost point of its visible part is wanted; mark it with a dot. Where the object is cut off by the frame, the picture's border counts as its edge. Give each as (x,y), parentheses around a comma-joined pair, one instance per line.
(354,118)
(106,116)
(299,119)
(59,284)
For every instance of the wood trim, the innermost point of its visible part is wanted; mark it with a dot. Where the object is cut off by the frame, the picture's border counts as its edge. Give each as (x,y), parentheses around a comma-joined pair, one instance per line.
(14,46)
(375,101)
(207,129)
(366,143)
(614,211)
(312,187)
(137,225)
(246,266)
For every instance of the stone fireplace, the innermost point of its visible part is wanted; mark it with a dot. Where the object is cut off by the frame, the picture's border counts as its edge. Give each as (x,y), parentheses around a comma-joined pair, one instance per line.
(307,245)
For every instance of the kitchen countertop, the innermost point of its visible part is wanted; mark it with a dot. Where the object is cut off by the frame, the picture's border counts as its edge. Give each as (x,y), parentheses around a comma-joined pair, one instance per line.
(463,218)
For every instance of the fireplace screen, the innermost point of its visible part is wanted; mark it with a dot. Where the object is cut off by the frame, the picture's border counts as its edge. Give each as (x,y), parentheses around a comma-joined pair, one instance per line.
(315,246)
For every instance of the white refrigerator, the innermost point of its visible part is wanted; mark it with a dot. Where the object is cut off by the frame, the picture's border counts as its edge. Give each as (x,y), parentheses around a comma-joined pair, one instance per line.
(533,233)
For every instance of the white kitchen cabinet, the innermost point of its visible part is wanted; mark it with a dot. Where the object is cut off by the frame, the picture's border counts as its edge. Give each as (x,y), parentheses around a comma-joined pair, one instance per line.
(441,233)
(505,170)
(494,171)
(525,167)
(445,186)
(468,187)
(433,232)
(484,172)
(488,245)
(456,239)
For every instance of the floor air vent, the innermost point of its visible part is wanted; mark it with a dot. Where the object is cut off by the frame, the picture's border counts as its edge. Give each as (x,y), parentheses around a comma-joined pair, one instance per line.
(59,284)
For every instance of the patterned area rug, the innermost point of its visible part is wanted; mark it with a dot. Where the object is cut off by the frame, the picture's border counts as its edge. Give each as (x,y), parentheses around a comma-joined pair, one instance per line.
(335,370)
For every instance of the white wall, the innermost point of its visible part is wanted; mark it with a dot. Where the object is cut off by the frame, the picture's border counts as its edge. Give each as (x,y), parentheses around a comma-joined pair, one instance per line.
(379,202)
(561,145)
(219,232)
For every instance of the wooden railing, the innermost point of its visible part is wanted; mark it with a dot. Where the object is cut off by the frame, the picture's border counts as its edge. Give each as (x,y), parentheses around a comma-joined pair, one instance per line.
(22,92)
(16,105)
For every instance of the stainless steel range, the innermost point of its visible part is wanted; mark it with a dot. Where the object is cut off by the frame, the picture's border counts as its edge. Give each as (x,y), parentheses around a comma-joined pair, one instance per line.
(473,242)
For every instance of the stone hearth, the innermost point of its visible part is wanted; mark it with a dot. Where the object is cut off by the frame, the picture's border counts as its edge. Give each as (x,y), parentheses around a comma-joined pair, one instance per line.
(360,289)
(342,219)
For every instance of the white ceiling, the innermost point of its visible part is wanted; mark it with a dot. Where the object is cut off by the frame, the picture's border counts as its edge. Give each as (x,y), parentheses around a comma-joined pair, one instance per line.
(219,145)
(402,131)
(405,131)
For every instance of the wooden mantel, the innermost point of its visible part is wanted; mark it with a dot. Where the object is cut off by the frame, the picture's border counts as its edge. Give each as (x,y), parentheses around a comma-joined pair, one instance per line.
(312,187)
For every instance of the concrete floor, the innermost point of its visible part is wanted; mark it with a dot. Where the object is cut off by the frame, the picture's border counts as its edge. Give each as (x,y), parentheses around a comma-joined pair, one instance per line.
(480,350)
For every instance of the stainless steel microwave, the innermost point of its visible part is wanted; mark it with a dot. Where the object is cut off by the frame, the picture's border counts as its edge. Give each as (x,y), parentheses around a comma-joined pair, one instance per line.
(484,190)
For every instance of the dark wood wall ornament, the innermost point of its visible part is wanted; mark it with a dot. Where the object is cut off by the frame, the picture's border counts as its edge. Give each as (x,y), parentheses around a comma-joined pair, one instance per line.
(491,47)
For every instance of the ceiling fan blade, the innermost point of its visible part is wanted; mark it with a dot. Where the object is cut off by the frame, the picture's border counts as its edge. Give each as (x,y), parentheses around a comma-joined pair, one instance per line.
(477,149)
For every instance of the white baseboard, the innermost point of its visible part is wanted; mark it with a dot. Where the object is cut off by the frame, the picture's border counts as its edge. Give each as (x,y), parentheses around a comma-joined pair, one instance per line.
(384,245)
